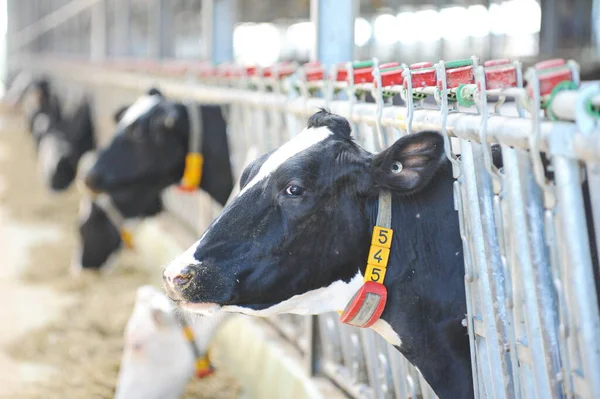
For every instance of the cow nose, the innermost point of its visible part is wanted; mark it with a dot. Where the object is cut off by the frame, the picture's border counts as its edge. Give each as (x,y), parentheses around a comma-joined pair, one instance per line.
(182,280)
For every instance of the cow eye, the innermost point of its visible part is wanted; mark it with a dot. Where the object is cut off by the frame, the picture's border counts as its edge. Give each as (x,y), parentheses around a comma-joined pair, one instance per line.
(294,190)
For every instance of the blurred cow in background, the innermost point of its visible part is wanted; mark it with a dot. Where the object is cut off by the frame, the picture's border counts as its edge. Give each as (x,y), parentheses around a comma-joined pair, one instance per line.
(151,143)
(158,358)
(60,138)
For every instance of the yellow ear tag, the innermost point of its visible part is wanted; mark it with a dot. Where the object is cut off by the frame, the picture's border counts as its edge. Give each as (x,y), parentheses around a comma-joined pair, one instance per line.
(127,238)
(192,175)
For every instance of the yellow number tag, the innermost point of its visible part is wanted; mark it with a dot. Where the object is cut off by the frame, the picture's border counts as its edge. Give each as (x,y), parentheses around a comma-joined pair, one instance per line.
(379,256)
(375,273)
(382,237)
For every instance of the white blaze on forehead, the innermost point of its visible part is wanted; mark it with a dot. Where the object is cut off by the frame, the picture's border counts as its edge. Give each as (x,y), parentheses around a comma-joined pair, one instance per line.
(303,141)
(139,108)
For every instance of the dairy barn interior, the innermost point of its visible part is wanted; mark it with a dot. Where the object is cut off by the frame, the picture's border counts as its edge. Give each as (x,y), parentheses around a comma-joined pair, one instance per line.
(280,199)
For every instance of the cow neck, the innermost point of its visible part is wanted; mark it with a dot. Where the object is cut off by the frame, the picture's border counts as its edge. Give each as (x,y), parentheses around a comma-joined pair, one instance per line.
(367,305)
(124,225)
(202,364)
(194,160)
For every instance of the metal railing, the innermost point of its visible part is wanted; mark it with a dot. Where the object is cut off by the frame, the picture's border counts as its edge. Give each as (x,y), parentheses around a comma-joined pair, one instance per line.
(532,310)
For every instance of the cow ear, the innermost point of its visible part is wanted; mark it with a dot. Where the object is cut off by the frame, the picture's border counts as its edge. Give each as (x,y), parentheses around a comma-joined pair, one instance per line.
(119,113)
(410,163)
(153,91)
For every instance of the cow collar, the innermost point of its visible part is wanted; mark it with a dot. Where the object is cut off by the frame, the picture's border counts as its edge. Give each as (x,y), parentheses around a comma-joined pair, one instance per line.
(125,226)
(367,305)
(194,160)
(202,364)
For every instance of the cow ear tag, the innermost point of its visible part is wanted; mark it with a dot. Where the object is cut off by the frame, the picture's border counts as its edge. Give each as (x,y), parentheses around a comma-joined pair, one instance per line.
(366,306)
(192,175)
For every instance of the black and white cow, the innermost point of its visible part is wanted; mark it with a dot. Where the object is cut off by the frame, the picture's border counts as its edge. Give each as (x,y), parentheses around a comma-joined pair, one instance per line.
(296,240)
(60,139)
(101,222)
(62,142)
(149,148)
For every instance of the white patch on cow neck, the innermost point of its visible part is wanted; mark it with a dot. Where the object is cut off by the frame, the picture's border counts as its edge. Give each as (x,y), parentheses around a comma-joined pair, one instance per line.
(384,329)
(322,300)
(301,142)
(139,108)
(41,124)
(51,151)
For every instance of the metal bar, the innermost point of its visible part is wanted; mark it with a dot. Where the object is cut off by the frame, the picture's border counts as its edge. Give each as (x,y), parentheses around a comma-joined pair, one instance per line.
(479,197)
(533,268)
(580,277)
(548,31)
(160,33)
(218,20)
(123,28)
(508,130)
(334,26)
(50,21)
(99,31)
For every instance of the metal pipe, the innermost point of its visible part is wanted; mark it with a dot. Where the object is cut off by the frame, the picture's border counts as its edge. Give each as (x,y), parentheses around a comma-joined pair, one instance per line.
(50,21)
(334,27)
(579,278)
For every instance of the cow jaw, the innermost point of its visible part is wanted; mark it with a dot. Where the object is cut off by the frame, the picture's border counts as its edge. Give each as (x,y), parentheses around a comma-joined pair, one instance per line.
(332,298)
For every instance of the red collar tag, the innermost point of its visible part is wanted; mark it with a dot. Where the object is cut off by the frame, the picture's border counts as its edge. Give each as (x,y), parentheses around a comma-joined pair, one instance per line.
(366,306)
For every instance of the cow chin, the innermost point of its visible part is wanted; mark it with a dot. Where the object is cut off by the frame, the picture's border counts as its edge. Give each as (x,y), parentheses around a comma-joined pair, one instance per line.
(205,309)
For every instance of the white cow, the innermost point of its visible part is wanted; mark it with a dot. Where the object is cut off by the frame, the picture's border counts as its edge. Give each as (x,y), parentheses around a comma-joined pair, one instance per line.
(157,359)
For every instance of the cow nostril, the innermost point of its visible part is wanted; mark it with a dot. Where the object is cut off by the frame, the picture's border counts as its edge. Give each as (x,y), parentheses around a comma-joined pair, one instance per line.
(183,279)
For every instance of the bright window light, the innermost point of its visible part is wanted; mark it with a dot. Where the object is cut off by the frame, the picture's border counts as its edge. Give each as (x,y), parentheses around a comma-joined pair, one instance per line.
(498,19)
(385,29)
(256,44)
(526,17)
(432,25)
(455,23)
(362,32)
(301,36)
(479,21)
(408,30)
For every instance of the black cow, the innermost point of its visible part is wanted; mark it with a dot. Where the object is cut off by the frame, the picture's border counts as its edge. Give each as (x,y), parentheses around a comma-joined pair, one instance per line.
(100,223)
(296,238)
(149,148)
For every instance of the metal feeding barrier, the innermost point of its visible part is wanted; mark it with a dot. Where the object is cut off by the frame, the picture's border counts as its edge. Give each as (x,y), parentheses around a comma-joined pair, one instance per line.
(527,223)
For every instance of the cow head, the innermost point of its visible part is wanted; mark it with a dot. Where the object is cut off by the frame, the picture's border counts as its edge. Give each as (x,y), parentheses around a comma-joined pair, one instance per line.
(61,142)
(296,238)
(150,146)
(100,236)
(157,361)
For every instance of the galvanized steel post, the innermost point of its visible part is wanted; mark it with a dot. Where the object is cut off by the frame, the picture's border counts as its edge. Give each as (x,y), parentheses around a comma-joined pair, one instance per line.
(334,24)
(160,33)
(123,28)
(98,31)
(218,20)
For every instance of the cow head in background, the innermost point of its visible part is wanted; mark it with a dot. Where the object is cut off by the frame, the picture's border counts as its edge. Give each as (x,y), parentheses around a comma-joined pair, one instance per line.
(101,218)
(150,146)
(100,235)
(157,360)
(62,142)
